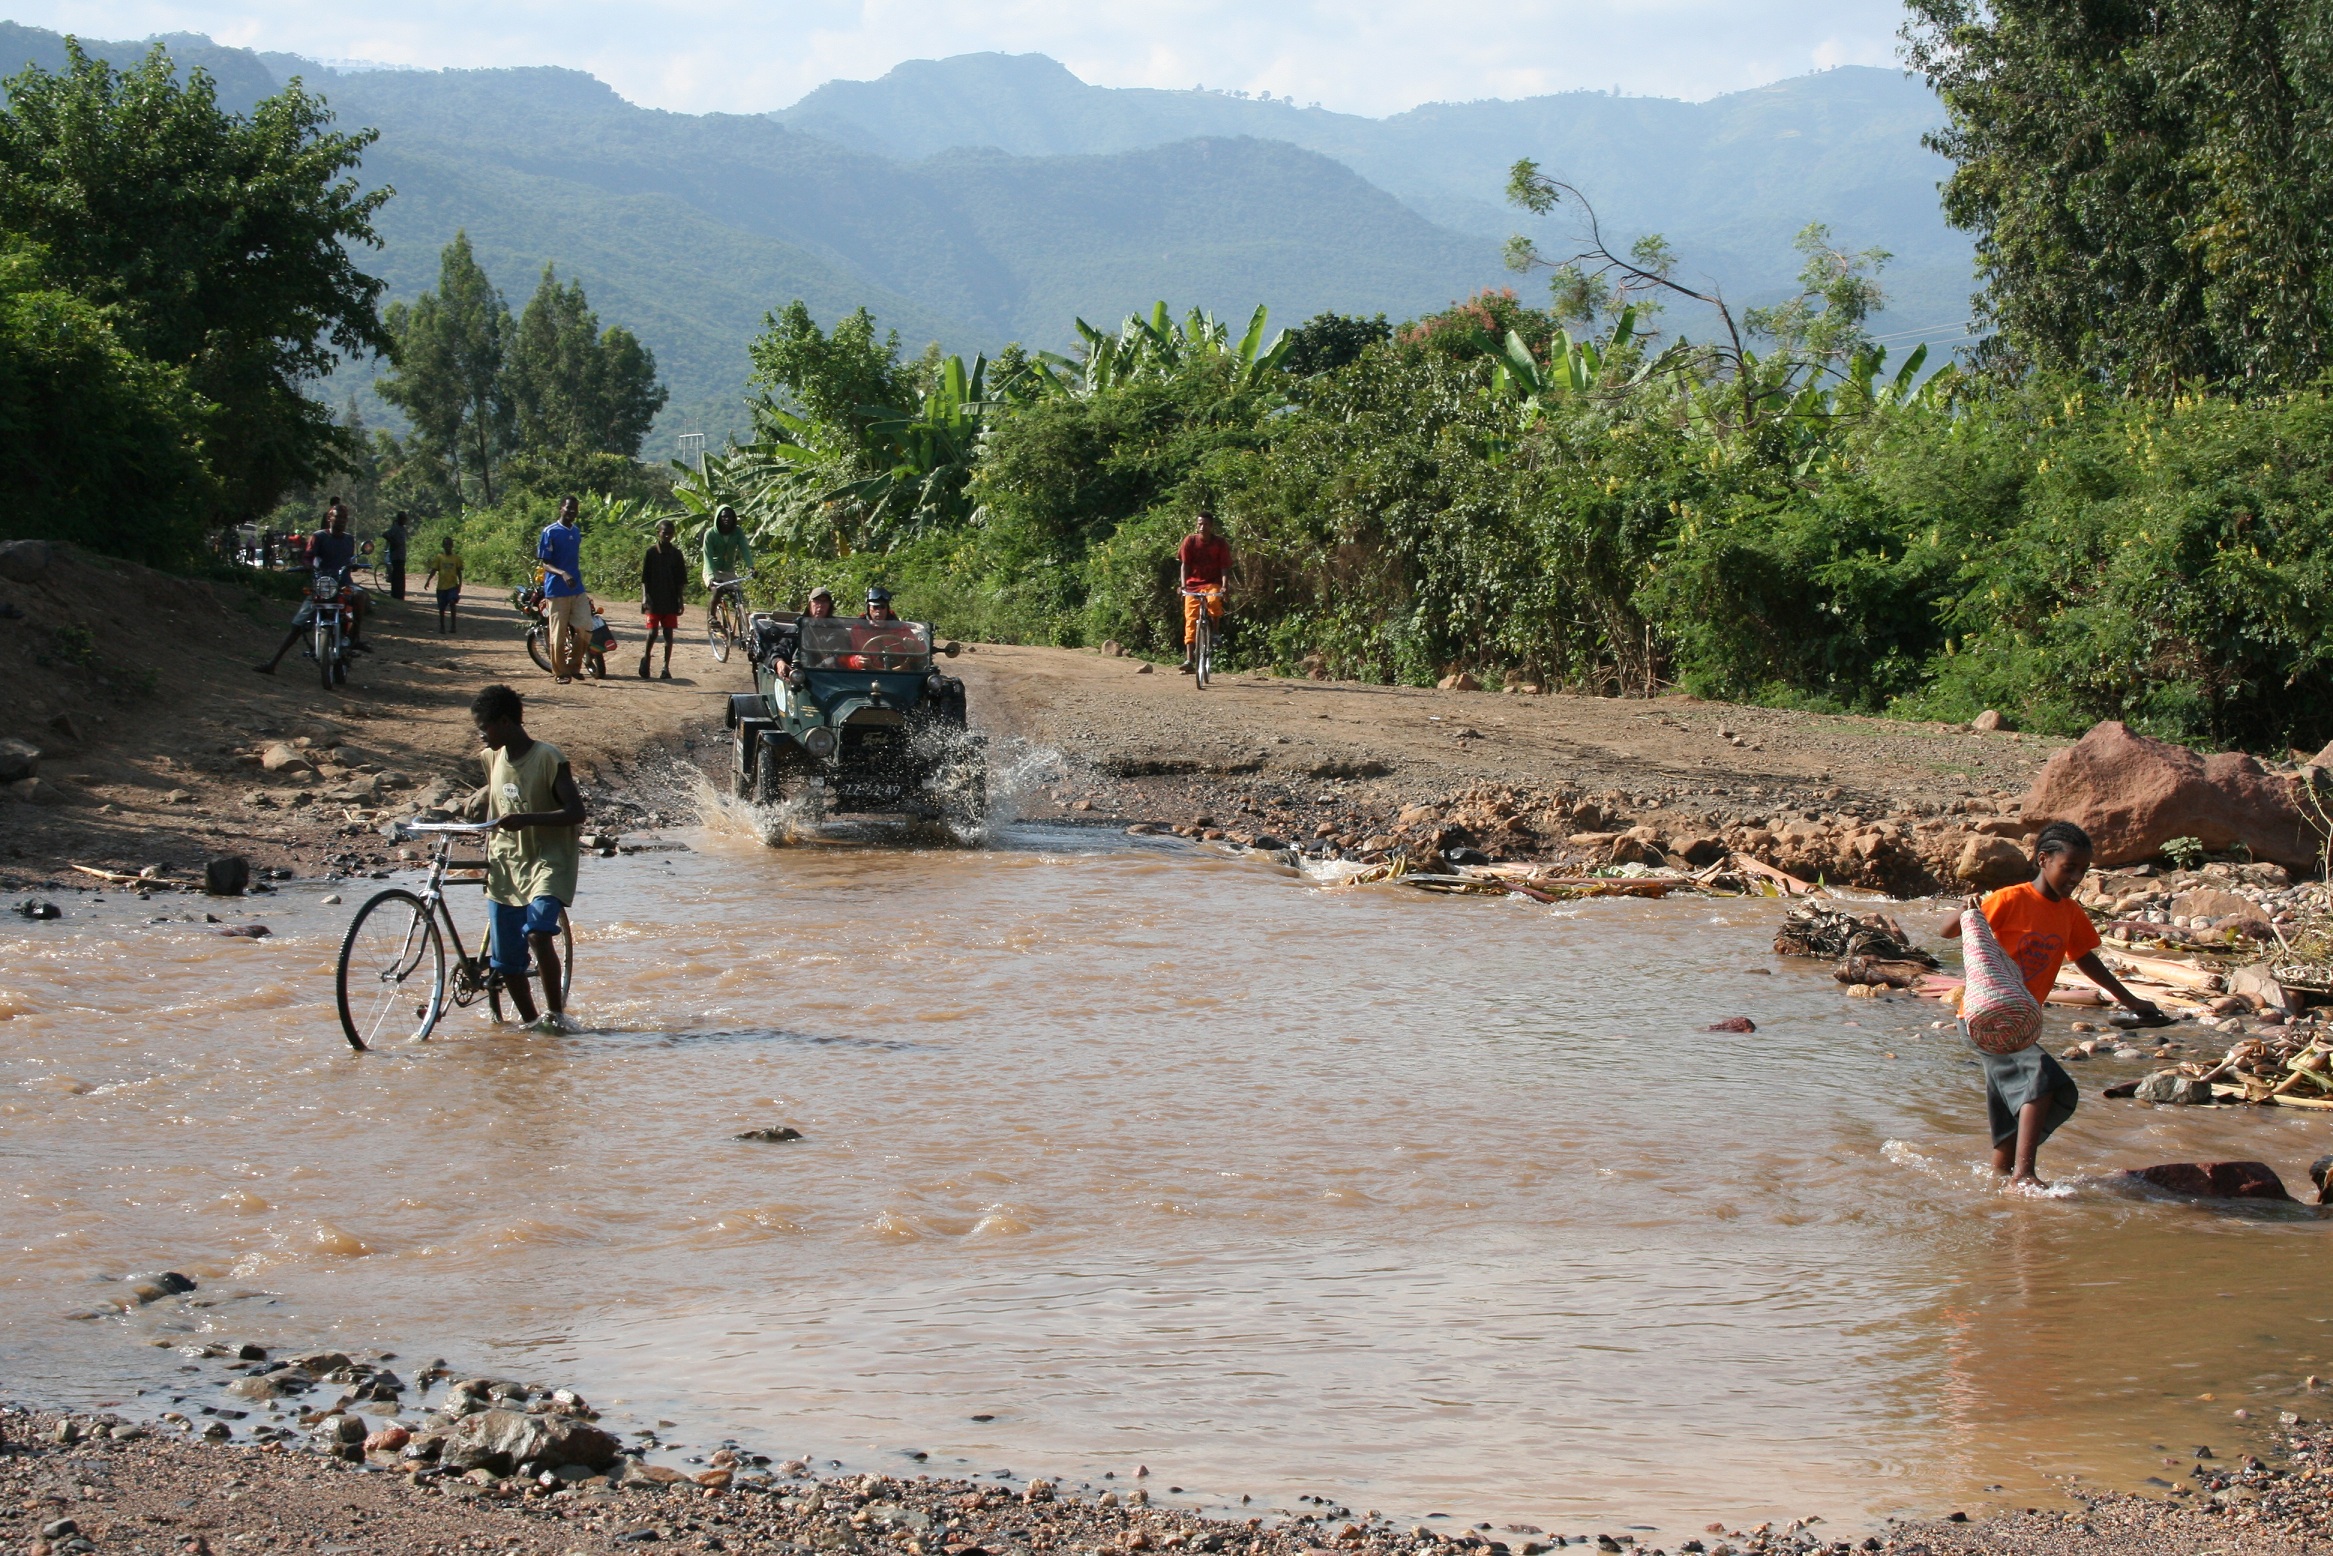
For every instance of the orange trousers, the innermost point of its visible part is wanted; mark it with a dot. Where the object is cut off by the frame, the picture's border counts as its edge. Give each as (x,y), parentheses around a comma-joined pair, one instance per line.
(1214,599)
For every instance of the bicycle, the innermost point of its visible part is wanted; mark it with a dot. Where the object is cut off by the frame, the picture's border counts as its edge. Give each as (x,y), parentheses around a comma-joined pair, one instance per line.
(725,616)
(392,975)
(1202,635)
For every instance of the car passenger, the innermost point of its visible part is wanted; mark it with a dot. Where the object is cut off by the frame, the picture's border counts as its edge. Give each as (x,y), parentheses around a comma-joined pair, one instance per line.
(789,639)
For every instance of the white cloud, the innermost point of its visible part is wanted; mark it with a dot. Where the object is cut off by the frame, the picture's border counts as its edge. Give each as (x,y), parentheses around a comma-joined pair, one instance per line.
(1361,56)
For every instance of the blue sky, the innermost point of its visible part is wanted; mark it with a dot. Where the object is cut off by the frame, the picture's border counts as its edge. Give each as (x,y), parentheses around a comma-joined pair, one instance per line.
(1359,56)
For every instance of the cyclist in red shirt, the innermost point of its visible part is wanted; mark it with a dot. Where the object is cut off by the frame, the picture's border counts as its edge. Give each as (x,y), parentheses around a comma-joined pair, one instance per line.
(1205,560)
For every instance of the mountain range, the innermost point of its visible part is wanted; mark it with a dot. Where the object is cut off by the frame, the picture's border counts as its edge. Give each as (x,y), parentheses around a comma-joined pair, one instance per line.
(993,197)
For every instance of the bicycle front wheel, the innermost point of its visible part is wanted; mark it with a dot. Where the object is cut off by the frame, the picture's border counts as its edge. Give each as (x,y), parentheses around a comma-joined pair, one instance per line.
(566,967)
(392,982)
(721,627)
(1202,650)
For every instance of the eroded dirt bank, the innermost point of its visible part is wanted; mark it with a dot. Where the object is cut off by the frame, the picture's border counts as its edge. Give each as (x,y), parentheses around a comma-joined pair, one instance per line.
(137,690)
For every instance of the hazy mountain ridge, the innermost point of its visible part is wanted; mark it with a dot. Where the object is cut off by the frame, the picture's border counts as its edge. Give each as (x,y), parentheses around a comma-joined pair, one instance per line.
(990,197)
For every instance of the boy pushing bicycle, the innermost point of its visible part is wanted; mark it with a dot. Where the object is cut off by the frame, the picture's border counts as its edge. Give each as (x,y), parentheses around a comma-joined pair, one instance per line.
(533,853)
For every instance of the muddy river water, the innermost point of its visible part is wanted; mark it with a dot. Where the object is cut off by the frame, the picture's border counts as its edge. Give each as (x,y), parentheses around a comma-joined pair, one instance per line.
(1121,1153)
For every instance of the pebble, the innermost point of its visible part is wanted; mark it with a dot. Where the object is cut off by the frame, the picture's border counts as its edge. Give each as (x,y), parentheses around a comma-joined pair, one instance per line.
(332,900)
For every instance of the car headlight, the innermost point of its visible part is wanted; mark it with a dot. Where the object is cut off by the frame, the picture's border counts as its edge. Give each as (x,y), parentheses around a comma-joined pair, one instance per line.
(819,742)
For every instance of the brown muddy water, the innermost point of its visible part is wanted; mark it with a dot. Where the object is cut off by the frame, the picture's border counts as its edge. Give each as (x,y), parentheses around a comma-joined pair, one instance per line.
(1148,1156)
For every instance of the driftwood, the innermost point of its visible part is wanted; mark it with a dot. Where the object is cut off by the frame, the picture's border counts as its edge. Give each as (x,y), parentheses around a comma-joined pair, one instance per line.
(1881,972)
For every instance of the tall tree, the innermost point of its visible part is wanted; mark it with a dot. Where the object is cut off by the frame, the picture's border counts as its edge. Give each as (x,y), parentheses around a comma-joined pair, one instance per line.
(451,347)
(2151,184)
(573,386)
(220,244)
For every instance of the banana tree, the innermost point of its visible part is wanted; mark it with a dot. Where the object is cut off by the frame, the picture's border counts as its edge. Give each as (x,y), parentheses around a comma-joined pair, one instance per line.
(1154,346)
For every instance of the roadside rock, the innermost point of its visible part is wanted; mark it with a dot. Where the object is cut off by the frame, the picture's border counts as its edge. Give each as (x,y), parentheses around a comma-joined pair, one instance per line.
(25,561)
(501,1440)
(2210,902)
(2171,1087)
(37,791)
(229,875)
(1989,863)
(281,758)
(1986,721)
(2133,795)
(1458,681)
(17,760)
(1732,1024)
(2216,1180)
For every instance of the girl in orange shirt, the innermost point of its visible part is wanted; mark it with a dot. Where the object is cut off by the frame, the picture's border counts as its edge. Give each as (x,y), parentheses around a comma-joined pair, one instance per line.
(2028,1094)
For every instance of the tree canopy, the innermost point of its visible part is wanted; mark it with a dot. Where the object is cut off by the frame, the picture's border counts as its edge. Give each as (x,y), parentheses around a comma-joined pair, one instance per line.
(220,245)
(2151,185)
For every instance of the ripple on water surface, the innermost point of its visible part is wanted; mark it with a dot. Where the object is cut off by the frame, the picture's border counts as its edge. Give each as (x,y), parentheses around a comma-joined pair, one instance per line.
(1156,1156)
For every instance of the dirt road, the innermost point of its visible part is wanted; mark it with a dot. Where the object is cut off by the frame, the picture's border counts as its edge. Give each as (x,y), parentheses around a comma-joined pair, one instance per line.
(138,690)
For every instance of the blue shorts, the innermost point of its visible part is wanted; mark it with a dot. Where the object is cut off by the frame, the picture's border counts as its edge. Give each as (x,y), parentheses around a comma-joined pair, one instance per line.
(512,925)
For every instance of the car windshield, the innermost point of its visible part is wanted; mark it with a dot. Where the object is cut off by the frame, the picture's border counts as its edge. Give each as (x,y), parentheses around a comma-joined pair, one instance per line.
(854,643)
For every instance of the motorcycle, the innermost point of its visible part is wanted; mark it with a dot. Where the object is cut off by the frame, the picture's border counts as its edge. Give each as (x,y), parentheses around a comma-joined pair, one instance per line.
(327,611)
(529,602)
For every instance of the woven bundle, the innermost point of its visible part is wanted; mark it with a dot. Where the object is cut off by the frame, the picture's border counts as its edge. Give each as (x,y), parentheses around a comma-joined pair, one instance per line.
(2003,1016)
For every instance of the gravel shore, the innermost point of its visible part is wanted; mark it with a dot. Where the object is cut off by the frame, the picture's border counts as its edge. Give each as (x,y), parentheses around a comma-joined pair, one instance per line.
(143,1491)
(328,1452)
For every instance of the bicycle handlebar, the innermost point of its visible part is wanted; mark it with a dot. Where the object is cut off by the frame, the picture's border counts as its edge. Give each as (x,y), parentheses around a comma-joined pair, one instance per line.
(445,826)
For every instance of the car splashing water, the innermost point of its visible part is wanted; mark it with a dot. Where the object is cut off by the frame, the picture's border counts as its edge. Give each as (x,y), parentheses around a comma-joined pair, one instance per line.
(979,797)
(1122,1152)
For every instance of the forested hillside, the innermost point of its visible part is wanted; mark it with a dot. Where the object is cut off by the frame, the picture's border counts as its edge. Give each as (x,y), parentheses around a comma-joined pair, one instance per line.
(1089,201)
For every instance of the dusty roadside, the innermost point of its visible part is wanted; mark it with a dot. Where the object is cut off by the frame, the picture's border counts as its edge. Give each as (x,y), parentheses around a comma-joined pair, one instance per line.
(137,690)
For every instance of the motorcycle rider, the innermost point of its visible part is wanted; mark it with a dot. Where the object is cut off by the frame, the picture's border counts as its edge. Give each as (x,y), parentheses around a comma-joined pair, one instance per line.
(332,550)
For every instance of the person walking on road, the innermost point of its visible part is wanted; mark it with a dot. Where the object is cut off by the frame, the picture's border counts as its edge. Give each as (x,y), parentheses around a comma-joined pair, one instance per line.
(664,578)
(566,608)
(531,856)
(1205,561)
(393,541)
(445,569)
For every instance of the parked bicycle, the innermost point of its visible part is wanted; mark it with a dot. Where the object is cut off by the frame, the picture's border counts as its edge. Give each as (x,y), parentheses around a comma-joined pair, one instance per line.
(393,984)
(725,616)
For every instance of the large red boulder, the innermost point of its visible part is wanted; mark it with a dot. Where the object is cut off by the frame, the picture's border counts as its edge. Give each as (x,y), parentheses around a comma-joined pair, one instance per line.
(2216,1180)
(2133,795)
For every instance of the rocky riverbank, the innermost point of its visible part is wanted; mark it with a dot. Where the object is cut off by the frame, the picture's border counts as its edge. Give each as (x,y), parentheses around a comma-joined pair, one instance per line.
(477,1475)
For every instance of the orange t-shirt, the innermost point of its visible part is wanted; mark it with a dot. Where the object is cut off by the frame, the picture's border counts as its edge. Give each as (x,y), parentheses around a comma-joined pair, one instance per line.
(2040,935)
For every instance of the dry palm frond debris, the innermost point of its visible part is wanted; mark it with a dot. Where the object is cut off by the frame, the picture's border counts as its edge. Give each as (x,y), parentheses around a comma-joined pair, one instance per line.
(1813,929)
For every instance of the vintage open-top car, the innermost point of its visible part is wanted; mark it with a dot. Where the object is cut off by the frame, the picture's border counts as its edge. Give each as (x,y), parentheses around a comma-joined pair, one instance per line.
(849,714)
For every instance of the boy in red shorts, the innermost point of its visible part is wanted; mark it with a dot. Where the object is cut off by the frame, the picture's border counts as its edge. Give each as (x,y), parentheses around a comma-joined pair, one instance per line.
(664,576)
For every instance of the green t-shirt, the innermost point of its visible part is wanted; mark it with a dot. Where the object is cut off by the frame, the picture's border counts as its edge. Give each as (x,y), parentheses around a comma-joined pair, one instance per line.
(533,861)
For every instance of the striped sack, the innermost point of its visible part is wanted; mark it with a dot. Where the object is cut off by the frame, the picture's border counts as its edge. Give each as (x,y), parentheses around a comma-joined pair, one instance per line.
(2001,1013)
